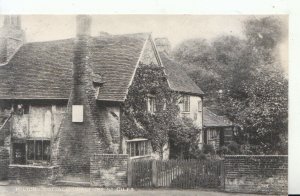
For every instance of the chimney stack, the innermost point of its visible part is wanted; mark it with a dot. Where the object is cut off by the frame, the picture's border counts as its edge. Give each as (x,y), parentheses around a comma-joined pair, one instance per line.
(81,55)
(79,132)
(163,45)
(11,37)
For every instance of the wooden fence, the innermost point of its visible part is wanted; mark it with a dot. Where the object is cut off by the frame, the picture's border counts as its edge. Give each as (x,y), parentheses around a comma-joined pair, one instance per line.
(176,173)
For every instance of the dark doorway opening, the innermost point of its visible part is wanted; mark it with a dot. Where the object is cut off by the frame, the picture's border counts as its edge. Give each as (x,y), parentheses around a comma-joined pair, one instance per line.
(19,153)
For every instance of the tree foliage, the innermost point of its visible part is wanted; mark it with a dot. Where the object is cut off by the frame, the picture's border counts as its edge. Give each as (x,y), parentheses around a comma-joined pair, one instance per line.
(246,83)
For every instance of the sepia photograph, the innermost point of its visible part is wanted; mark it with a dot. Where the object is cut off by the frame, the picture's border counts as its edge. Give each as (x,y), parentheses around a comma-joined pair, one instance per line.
(144,104)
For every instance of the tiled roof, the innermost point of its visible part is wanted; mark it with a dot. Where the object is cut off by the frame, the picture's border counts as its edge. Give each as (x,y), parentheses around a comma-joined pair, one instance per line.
(177,77)
(43,70)
(210,119)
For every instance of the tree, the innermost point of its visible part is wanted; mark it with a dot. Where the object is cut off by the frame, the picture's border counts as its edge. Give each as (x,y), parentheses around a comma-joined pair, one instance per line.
(195,54)
(248,85)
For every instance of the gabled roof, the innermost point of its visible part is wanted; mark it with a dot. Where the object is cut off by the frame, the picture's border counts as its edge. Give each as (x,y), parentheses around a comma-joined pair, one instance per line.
(178,78)
(210,119)
(43,70)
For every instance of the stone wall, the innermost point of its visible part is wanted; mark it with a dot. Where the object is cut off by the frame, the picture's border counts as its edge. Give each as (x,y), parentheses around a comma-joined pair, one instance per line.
(4,162)
(266,174)
(32,175)
(109,170)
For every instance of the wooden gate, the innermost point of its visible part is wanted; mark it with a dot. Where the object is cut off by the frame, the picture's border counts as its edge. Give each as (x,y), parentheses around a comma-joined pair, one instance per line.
(176,173)
(140,173)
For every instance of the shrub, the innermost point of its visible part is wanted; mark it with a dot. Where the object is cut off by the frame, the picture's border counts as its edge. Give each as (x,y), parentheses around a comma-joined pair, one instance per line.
(202,156)
(223,150)
(233,147)
(208,149)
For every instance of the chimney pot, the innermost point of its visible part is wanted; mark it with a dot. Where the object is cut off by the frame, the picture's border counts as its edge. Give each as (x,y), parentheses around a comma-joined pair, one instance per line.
(83,23)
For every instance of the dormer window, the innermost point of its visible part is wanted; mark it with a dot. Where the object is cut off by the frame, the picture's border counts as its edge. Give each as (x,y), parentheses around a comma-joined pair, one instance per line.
(186,103)
(151,104)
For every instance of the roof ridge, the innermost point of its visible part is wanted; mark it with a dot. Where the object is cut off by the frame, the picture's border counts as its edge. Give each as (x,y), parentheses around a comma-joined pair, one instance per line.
(97,36)
(49,41)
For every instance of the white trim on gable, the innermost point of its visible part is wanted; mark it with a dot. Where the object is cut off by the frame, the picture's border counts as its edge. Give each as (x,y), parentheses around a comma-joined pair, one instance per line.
(159,59)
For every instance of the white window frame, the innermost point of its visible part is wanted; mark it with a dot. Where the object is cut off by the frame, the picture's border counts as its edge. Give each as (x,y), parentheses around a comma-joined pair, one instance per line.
(186,102)
(138,147)
(151,104)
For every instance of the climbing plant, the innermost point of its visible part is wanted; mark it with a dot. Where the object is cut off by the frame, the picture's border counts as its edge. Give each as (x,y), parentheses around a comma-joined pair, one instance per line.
(136,121)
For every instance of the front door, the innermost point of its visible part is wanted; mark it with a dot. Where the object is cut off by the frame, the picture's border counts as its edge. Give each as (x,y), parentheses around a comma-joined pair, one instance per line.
(19,153)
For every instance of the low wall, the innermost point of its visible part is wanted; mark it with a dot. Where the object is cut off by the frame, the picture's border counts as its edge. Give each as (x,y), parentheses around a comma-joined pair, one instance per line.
(267,174)
(108,170)
(32,175)
(4,162)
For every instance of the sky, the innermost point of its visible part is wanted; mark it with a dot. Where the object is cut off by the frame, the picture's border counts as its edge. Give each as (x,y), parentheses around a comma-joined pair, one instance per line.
(176,28)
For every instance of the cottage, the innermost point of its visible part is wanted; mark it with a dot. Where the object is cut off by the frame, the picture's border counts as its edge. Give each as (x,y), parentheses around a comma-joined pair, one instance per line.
(60,101)
(218,130)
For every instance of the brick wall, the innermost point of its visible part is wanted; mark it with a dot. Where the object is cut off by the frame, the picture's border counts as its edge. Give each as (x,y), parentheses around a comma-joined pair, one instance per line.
(78,141)
(32,175)
(4,162)
(109,170)
(5,131)
(256,174)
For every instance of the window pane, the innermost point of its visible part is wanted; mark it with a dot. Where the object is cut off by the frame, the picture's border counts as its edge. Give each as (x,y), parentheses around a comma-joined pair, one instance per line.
(128,148)
(186,103)
(46,150)
(149,104)
(132,149)
(146,147)
(137,152)
(142,148)
(30,150)
(38,150)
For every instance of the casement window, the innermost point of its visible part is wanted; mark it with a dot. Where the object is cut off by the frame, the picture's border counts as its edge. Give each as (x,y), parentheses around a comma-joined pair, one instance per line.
(212,134)
(200,106)
(151,104)
(138,147)
(228,134)
(31,151)
(186,103)
(38,150)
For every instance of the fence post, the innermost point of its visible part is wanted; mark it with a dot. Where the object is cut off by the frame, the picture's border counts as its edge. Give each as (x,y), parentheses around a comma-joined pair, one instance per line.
(129,173)
(222,172)
(154,173)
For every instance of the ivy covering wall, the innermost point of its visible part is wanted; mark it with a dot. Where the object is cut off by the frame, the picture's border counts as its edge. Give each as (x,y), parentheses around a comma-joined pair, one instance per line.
(158,127)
